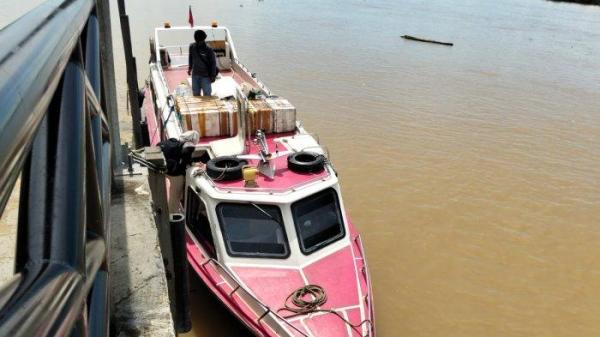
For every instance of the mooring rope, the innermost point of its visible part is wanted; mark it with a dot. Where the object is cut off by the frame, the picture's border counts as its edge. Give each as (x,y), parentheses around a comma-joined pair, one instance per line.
(308,299)
(135,155)
(316,295)
(222,175)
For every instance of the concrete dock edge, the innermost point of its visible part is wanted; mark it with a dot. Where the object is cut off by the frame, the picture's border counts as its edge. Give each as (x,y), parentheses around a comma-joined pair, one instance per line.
(139,286)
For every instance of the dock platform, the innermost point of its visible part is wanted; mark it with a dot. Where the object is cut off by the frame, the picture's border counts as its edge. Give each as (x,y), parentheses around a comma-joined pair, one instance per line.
(140,300)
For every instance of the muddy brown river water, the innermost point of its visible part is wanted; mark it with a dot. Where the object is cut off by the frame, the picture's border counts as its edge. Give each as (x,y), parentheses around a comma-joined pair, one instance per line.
(472,172)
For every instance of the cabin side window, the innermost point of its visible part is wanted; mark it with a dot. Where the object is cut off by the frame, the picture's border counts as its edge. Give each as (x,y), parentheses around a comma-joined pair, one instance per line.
(318,220)
(251,230)
(198,223)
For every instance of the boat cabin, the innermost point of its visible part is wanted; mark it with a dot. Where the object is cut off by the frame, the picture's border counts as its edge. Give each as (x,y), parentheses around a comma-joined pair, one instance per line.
(288,218)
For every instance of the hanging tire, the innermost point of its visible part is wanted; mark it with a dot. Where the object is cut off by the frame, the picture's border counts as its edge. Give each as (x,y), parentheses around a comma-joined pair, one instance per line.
(306,162)
(225,168)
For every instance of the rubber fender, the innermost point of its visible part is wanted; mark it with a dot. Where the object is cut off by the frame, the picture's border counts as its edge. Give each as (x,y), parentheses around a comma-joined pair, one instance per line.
(306,162)
(225,168)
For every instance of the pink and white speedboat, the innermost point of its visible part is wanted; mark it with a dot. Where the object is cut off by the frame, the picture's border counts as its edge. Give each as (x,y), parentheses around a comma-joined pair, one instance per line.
(266,228)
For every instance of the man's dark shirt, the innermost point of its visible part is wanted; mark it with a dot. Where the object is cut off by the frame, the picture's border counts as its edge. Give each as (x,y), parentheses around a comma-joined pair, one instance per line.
(202,60)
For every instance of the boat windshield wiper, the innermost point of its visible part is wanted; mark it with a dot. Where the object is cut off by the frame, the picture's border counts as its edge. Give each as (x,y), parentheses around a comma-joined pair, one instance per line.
(267,214)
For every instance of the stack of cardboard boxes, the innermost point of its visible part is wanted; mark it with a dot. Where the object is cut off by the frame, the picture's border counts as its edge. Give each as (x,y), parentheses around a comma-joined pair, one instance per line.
(272,115)
(210,116)
(213,117)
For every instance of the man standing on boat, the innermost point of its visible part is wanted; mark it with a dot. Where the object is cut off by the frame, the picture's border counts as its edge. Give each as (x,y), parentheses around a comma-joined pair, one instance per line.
(202,65)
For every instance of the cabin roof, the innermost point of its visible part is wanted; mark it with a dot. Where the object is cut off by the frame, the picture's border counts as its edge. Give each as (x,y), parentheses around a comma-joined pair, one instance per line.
(285,180)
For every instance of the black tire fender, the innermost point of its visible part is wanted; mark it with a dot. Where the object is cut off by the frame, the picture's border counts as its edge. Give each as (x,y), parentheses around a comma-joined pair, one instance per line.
(306,162)
(225,168)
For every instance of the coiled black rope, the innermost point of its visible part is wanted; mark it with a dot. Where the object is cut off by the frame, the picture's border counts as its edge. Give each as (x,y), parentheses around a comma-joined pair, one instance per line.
(316,295)
(308,299)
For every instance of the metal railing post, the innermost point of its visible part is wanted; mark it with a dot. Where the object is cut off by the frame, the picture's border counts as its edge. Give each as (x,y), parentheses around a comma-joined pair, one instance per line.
(92,69)
(56,130)
(99,306)
(68,193)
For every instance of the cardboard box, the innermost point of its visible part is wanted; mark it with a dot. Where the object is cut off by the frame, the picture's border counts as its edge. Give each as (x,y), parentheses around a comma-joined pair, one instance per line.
(284,114)
(272,115)
(210,116)
(260,116)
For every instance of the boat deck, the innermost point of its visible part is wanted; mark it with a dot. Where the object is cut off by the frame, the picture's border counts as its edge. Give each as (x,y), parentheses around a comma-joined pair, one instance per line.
(284,179)
(174,76)
(177,75)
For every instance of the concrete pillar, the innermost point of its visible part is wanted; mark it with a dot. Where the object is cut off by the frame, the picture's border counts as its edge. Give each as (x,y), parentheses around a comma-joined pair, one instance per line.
(109,98)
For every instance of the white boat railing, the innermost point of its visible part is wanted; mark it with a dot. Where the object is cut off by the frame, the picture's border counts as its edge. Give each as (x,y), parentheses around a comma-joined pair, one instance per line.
(368,297)
(211,30)
(169,122)
(261,310)
(260,84)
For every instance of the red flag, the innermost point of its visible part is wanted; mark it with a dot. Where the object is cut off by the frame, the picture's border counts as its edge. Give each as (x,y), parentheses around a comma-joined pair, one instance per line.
(191,18)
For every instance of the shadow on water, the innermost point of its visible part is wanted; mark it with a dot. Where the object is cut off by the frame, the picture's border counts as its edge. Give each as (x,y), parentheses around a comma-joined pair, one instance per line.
(209,316)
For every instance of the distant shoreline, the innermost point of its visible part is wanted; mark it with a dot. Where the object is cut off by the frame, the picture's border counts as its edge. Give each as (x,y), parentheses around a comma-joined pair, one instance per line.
(583,2)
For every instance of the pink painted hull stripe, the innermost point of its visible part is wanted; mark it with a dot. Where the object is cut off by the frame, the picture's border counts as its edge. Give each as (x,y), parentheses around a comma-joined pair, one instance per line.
(335,273)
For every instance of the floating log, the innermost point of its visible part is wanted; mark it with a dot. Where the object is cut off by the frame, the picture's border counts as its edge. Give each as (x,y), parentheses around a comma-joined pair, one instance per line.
(408,37)
(583,2)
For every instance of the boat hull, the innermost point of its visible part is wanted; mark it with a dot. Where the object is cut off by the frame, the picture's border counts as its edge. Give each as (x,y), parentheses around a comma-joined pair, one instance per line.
(342,274)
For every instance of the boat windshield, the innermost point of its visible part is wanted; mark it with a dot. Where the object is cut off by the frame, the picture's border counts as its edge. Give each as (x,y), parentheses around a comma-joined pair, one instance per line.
(251,230)
(318,220)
